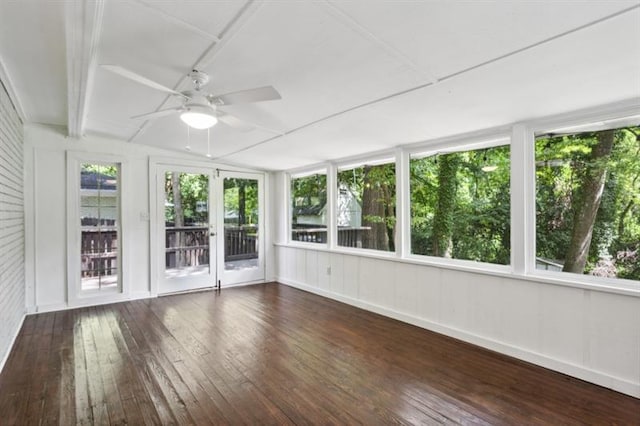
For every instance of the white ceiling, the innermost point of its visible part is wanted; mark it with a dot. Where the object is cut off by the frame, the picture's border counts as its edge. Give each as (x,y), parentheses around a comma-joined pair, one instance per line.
(355,76)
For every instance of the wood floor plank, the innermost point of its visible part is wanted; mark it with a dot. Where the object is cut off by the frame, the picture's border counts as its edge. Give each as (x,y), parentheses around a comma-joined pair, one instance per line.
(271,354)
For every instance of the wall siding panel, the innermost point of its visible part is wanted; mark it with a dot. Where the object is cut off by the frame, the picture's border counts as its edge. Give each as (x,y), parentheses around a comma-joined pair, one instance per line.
(12,270)
(584,333)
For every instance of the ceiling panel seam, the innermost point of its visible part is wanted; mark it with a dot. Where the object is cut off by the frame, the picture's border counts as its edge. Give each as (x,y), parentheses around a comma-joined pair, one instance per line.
(541,42)
(356,26)
(227,34)
(181,22)
(83,26)
(445,78)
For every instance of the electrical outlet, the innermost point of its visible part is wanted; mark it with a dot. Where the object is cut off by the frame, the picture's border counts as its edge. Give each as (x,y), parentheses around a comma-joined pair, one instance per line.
(328,270)
(144,216)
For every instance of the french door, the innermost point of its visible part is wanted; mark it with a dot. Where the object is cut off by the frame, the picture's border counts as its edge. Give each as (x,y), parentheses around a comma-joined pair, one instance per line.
(240,228)
(208,228)
(186,224)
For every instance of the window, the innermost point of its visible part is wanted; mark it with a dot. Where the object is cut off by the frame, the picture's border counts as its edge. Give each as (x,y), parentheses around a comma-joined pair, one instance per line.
(588,202)
(100,226)
(460,205)
(366,206)
(241,223)
(309,208)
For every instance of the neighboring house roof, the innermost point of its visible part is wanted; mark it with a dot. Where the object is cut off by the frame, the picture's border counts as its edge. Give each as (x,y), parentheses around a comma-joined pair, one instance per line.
(308,210)
(93,180)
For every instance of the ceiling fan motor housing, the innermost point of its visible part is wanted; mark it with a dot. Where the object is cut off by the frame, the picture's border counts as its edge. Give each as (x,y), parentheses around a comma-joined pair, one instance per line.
(199,78)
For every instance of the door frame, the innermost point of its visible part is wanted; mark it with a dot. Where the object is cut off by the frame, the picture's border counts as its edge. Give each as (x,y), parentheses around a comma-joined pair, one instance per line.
(189,282)
(155,260)
(255,275)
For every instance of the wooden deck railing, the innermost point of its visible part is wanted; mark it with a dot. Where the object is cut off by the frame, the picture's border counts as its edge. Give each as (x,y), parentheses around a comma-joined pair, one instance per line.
(99,248)
(189,245)
(347,236)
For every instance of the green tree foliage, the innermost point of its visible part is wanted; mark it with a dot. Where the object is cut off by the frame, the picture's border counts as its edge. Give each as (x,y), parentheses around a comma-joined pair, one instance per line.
(241,201)
(194,192)
(567,166)
(460,205)
(375,190)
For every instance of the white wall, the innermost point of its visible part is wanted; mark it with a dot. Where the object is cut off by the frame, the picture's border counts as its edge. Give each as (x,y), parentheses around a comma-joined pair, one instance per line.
(12,292)
(45,190)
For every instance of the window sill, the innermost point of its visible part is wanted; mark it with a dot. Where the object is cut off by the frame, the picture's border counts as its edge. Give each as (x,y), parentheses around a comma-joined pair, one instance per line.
(625,287)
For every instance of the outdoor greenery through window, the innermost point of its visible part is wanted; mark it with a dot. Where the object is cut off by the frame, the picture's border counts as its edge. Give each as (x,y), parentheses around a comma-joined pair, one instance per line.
(460,205)
(366,207)
(588,203)
(309,208)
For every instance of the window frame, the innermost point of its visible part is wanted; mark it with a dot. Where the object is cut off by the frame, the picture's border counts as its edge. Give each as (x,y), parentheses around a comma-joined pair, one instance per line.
(76,296)
(377,159)
(571,123)
(520,136)
(296,174)
(289,199)
(462,144)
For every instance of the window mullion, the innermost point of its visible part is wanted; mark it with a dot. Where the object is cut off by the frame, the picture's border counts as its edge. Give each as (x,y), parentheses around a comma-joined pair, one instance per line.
(522,199)
(403,205)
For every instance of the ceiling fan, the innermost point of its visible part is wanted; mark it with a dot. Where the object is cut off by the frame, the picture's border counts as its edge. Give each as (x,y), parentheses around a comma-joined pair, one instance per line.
(199,109)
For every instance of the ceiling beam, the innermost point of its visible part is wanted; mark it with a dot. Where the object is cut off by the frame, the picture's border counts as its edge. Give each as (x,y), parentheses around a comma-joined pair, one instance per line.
(83,25)
(5,80)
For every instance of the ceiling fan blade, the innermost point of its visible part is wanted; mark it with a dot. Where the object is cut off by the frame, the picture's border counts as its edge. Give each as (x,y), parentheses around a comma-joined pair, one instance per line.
(259,94)
(157,114)
(235,122)
(117,69)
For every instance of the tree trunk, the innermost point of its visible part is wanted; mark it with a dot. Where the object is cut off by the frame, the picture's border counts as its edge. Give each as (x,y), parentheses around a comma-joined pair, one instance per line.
(374,213)
(591,189)
(242,202)
(178,216)
(443,217)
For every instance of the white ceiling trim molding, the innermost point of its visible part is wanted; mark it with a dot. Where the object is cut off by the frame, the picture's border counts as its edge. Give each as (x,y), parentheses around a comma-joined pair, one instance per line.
(13,96)
(208,56)
(347,19)
(83,26)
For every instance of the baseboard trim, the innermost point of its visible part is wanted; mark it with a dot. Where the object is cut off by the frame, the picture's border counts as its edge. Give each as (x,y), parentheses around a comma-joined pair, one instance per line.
(5,358)
(597,377)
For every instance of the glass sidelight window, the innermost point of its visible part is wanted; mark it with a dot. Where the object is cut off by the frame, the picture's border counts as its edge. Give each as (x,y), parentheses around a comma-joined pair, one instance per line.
(241,219)
(100,226)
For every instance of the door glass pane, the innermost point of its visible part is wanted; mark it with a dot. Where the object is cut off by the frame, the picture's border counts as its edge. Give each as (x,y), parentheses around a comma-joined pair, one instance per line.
(186,213)
(240,223)
(99,223)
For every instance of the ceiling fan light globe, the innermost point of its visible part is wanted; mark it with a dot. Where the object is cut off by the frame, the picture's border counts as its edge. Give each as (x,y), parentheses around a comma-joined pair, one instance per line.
(199,117)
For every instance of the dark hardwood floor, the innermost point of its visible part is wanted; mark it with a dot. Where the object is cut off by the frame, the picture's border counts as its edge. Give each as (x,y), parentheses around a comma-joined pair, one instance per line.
(270,354)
